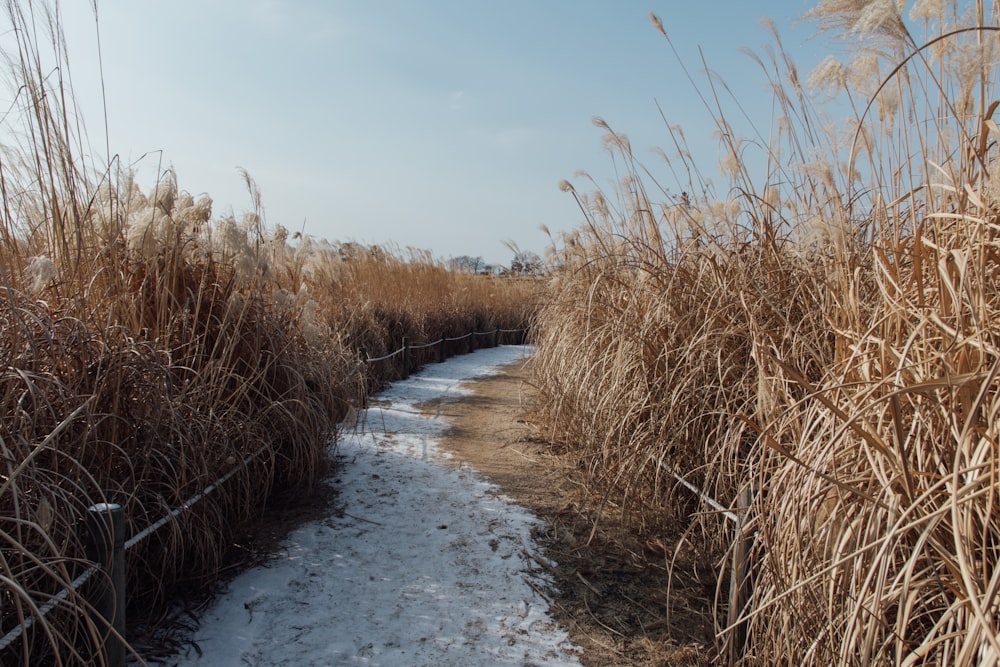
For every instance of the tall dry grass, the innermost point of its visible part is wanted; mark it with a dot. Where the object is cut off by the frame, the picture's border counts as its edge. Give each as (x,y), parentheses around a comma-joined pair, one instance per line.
(378,296)
(149,348)
(826,337)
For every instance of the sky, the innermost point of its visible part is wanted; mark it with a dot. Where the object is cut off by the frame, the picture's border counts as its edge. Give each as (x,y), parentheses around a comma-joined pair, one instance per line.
(444,125)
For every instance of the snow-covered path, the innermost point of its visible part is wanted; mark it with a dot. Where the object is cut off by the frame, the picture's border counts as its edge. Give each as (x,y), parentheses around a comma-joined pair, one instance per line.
(427,565)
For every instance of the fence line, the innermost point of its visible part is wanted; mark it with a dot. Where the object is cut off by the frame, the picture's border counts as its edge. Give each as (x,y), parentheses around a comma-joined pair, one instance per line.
(44,610)
(740,580)
(423,345)
(711,502)
(190,502)
(420,346)
(388,356)
(75,585)
(81,580)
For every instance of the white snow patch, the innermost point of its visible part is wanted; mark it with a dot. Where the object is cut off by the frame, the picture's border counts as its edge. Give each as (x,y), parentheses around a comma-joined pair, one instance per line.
(427,566)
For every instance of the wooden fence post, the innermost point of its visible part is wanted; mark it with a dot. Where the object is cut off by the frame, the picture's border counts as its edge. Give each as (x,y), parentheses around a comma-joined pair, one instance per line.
(406,356)
(472,341)
(367,376)
(106,547)
(496,337)
(740,581)
(442,351)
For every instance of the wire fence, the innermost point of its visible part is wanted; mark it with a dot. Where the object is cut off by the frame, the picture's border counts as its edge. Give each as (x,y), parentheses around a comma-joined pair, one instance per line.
(39,612)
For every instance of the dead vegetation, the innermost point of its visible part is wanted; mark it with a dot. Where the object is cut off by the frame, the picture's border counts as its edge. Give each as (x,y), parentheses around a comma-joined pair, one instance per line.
(824,338)
(149,348)
(824,335)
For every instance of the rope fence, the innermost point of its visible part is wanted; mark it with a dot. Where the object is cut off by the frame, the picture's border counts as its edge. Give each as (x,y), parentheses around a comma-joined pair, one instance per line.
(708,500)
(441,344)
(191,502)
(425,345)
(388,356)
(44,610)
(127,545)
(109,527)
(740,578)
(407,346)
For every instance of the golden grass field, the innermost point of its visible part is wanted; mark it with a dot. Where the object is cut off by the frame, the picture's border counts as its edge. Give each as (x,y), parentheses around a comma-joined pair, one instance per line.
(823,335)
(149,348)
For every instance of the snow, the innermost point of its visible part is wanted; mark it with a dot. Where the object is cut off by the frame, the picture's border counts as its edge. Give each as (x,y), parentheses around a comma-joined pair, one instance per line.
(427,565)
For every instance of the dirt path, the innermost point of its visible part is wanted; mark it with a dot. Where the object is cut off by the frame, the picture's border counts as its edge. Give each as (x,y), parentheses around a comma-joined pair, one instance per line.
(416,557)
(416,563)
(611,598)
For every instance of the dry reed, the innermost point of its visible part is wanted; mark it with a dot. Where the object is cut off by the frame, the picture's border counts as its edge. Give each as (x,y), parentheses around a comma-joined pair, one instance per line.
(828,340)
(148,349)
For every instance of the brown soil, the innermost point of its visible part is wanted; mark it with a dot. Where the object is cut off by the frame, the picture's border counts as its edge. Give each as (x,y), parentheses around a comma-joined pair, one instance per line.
(609,592)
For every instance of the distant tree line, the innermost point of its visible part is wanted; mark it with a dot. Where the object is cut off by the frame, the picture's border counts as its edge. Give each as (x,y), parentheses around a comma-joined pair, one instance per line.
(524,263)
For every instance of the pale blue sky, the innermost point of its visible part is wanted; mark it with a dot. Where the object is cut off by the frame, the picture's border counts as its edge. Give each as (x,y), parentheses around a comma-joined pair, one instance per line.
(440,124)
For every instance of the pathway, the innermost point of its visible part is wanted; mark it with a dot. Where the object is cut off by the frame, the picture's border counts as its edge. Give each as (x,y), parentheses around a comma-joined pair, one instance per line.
(424,563)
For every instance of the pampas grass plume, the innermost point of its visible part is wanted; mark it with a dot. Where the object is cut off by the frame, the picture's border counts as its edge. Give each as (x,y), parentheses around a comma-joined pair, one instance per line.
(41,272)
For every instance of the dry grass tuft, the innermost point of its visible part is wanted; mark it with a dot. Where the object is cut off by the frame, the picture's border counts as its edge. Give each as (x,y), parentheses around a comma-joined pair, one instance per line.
(149,349)
(828,340)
